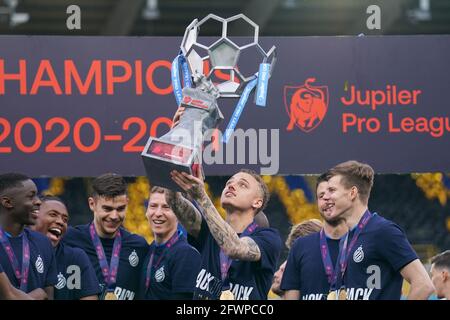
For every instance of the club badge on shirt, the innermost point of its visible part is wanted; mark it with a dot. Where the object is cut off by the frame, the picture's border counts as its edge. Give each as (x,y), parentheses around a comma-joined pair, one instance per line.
(39,264)
(133,259)
(160,275)
(358,255)
(61,281)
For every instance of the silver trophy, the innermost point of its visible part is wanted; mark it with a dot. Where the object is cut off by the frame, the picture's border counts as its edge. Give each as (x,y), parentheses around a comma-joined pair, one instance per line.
(181,148)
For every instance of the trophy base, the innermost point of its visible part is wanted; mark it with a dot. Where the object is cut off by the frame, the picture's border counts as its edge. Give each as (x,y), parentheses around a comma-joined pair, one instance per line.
(161,157)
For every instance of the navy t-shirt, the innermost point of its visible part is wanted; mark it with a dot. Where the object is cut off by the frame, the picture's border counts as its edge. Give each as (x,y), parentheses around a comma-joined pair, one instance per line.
(304,269)
(76,276)
(375,261)
(1,269)
(133,251)
(249,280)
(42,272)
(175,273)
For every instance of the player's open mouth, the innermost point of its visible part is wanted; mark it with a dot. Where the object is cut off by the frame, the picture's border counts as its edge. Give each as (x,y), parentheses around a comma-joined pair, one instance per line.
(328,207)
(55,233)
(158,222)
(35,213)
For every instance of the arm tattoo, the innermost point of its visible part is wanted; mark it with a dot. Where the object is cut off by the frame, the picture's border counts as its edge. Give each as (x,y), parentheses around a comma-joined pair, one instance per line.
(236,248)
(186,213)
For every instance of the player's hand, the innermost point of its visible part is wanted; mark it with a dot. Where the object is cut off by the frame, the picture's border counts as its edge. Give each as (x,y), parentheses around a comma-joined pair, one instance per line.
(177,116)
(193,186)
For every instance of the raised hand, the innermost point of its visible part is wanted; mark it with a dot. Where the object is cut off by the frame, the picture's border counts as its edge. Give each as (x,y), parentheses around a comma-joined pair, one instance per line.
(177,116)
(193,186)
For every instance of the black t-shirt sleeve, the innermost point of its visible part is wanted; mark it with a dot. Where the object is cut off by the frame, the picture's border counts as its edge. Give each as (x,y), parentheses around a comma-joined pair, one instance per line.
(395,247)
(185,266)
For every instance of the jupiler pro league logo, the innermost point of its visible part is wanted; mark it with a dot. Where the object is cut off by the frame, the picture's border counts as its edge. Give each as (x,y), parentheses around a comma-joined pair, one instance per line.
(306,105)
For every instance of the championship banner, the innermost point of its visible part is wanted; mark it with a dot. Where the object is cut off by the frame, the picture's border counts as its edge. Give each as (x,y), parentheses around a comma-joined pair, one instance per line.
(83,106)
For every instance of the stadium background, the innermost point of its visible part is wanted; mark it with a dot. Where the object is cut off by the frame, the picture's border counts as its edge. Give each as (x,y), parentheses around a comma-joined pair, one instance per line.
(419,203)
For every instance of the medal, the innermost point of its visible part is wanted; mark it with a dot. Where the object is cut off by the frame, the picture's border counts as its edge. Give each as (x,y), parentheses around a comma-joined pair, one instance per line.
(227,295)
(331,295)
(110,296)
(342,294)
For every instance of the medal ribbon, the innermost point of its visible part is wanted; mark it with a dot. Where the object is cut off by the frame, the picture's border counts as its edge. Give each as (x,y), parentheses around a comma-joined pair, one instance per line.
(176,82)
(344,252)
(225,261)
(167,246)
(21,275)
(331,271)
(109,272)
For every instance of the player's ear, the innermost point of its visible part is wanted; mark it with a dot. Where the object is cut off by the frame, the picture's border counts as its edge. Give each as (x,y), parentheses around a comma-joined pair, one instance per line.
(7,202)
(353,192)
(91,202)
(257,203)
(445,275)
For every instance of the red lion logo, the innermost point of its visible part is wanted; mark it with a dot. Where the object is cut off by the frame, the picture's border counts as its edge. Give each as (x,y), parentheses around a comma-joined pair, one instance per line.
(308,105)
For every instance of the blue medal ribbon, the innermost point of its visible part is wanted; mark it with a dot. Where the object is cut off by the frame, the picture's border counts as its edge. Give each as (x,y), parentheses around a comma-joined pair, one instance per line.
(331,271)
(109,272)
(359,228)
(344,253)
(238,110)
(180,60)
(167,246)
(225,261)
(263,82)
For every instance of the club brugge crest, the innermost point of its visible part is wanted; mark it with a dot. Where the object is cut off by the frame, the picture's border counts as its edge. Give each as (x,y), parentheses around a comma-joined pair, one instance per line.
(160,275)
(61,281)
(133,258)
(39,265)
(358,255)
(306,105)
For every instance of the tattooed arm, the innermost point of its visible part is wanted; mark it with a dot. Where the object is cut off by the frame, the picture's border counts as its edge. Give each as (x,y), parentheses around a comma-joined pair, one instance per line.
(236,248)
(186,212)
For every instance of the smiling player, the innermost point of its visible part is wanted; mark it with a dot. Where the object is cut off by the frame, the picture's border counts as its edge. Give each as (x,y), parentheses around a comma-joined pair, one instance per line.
(115,253)
(172,265)
(25,255)
(76,276)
